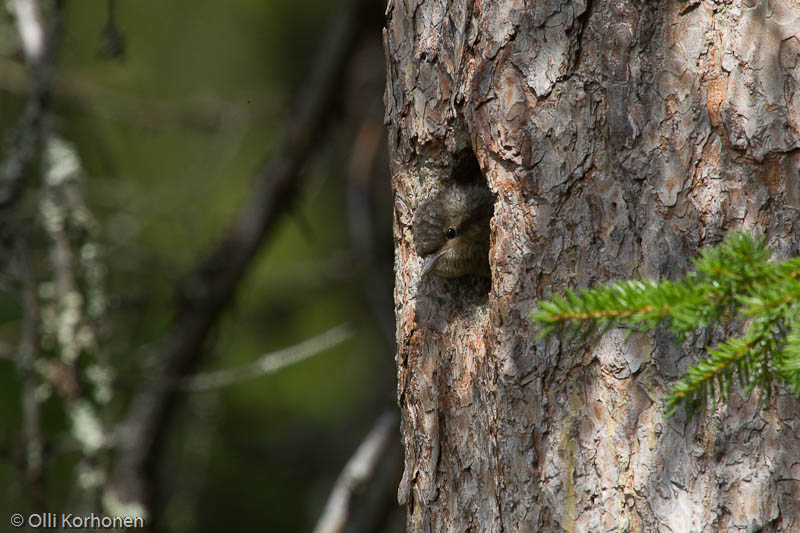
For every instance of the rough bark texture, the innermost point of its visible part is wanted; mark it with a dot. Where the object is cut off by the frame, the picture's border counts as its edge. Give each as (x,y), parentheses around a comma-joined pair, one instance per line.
(619,137)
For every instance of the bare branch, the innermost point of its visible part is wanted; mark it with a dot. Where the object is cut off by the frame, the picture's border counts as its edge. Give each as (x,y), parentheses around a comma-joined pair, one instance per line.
(27,355)
(270,363)
(211,286)
(356,473)
(39,48)
(38,45)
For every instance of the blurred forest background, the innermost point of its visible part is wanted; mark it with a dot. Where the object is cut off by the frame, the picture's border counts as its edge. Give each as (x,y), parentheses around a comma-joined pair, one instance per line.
(139,150)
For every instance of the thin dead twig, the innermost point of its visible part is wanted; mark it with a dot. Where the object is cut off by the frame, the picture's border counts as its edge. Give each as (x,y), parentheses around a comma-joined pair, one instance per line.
(269,363)
(355,474)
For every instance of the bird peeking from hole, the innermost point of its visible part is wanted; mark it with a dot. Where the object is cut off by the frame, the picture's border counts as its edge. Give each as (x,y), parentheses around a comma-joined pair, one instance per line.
(451,231)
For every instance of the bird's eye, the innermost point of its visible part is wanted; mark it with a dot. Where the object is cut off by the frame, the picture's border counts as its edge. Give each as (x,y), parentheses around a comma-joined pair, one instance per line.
(451,233)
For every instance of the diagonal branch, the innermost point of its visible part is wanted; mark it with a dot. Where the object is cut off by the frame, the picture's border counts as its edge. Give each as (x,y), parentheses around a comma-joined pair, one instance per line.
(338,512)
(269,363)
(211,286)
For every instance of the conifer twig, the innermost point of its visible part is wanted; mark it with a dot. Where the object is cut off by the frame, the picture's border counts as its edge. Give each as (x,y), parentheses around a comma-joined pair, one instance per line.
(733,282)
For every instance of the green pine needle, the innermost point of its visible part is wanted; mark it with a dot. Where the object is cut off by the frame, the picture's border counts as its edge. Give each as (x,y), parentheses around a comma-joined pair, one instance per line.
(732,282)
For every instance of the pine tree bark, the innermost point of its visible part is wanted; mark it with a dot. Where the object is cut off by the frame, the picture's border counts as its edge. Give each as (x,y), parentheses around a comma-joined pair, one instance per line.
(619,137)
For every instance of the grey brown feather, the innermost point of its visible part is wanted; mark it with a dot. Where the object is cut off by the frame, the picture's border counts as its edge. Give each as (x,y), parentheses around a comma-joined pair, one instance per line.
(451,231)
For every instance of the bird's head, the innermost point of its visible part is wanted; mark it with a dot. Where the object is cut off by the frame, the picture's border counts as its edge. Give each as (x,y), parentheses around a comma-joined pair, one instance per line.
(451,231)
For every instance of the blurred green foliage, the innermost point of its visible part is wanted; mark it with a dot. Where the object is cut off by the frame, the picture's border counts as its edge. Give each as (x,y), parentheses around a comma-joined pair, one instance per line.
(171,136)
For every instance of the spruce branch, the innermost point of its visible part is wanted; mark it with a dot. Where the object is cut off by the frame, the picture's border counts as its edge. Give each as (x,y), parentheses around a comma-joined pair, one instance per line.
(733,283)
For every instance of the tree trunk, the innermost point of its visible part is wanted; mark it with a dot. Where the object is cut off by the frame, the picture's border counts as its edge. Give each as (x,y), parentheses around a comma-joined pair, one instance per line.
(619,137)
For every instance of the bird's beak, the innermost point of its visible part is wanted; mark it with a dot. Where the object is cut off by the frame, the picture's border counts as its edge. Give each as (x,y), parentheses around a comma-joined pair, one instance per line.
(431,260)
